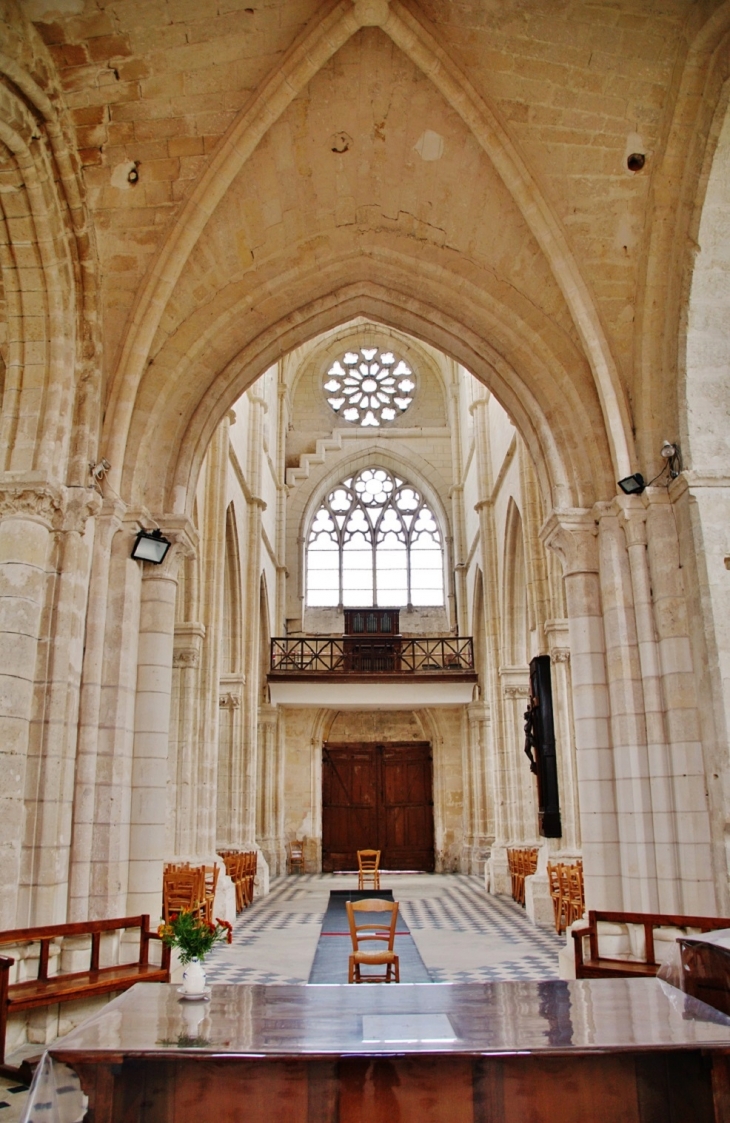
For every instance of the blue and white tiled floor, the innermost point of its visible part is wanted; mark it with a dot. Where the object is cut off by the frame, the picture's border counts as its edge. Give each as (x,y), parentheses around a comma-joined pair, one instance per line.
(462,933)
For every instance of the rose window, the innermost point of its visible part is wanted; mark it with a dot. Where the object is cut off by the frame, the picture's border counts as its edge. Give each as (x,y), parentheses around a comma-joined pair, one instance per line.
(369,386)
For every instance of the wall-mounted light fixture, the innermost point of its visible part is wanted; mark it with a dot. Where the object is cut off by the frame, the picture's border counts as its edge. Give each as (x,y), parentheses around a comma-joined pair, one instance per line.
(633,485)
(670,452)
(672,457)
(151,546)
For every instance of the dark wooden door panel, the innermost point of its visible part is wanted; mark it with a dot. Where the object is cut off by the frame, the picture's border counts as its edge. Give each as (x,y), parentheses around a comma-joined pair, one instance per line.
(377,796)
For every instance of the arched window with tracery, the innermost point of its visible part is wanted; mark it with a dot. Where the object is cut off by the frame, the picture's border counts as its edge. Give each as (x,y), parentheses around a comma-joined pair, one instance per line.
(375,541)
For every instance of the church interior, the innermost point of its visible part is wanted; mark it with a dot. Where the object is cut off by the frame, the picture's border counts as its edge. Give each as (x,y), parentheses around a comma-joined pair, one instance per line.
(423,307)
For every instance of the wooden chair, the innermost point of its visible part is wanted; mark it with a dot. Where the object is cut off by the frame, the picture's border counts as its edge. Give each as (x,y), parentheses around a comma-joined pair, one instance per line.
(183,890)
(210,880)
(296,855)
(232,861)
(553,872)
(249,865)
(512,864)
(522,863)
(361,932)
(368,869)
(576,893)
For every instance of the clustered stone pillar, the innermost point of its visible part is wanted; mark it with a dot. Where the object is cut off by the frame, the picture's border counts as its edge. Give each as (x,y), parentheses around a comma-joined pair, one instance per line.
(148,811)
(108,524)
(25,539)
(658,765)
(573,535)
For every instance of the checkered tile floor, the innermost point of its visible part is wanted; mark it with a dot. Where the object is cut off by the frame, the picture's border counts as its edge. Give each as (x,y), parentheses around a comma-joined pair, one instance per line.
(462,933)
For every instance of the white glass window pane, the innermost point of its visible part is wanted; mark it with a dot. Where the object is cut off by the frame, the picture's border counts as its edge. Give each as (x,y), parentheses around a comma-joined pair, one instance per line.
(427,577)
(323,576)
(357,572)
(392,577)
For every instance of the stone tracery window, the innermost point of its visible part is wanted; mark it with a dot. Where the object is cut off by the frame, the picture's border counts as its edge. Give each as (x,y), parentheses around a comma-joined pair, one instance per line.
(374,541)
(369,387)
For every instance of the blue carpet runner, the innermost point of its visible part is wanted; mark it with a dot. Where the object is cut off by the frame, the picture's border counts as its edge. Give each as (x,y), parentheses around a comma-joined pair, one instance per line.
(334,946)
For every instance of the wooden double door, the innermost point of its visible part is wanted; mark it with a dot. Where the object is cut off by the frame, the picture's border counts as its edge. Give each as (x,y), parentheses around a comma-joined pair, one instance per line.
(378,797)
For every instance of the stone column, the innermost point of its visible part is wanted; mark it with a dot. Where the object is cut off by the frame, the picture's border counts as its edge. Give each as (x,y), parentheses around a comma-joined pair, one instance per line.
(212,550)
(633,518)
(679,691)
(182,788)
(497,878)
(632,783)
(108,524)
(456,495)
(229,831)
(57,720)
(572,534)
(520,781)
(480,828)
(282,495)
(251,617)
(269,787)
(109,856)
(148,811)
(25,541)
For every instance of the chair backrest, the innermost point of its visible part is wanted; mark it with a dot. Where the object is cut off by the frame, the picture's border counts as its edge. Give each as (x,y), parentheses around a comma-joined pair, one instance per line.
(211,879)
(362,930)
(368,861)
(182,890)
(296,849)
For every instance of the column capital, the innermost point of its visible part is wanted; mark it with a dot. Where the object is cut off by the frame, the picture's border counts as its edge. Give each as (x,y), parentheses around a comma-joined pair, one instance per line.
(572,534)
(632,516)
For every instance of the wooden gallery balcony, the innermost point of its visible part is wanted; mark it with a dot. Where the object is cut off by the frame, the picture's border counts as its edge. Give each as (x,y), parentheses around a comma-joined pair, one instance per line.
(371,667)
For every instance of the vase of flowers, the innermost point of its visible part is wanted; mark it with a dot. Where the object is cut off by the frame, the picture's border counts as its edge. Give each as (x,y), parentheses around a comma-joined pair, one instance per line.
(193,936)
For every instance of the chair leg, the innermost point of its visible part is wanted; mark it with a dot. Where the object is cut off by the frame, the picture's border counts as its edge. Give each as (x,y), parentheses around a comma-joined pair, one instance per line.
(351,971)
(396,966)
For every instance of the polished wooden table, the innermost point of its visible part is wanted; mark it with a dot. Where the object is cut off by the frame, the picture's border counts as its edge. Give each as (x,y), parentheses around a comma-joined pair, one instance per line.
(590,1051)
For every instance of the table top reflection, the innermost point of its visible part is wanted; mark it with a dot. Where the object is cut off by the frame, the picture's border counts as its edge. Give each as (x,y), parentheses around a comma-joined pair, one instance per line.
(585,1016)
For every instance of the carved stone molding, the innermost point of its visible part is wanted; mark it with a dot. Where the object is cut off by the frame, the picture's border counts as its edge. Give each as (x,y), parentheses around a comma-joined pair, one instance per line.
(521,691)
(59,508)
(186,657)
(560,655)
(229,701)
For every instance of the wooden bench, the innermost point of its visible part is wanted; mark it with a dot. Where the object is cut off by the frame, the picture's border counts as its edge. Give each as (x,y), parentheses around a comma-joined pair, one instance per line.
(597,966)
(47,990)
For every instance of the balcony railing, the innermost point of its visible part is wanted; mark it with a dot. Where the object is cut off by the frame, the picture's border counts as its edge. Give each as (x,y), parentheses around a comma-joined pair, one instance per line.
(313,655)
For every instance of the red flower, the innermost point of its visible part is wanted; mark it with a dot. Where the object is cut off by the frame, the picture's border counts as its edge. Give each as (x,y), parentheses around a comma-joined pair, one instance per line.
(228,927)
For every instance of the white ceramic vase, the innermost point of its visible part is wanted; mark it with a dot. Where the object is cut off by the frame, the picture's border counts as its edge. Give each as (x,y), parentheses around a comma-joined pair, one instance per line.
(194,977)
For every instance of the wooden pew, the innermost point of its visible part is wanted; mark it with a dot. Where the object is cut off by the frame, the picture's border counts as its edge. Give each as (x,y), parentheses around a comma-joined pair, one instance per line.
(597,966)
(47,990)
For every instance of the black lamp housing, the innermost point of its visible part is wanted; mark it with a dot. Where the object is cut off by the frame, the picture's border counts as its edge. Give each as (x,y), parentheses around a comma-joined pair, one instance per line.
(633,485)
(151,546)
